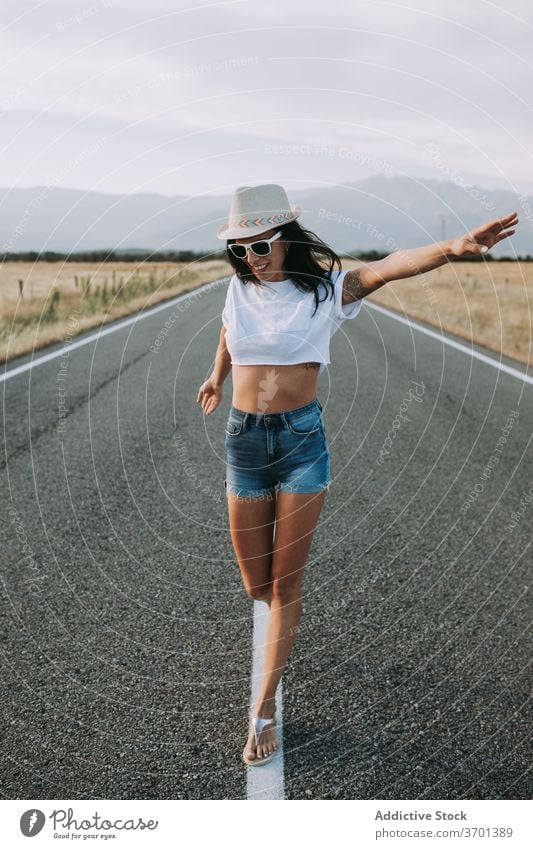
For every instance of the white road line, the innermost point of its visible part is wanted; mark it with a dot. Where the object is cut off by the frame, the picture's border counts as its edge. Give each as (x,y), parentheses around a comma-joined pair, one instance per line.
(491,361)
(69,346)
(265,782)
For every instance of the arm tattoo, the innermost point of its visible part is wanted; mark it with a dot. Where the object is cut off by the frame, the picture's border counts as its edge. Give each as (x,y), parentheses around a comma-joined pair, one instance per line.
(352,286)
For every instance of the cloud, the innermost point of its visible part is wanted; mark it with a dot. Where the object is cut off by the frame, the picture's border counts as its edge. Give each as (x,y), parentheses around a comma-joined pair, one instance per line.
(178,88)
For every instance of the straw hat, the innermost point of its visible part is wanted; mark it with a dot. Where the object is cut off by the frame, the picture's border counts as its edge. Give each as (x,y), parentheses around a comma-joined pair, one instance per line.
(255,209)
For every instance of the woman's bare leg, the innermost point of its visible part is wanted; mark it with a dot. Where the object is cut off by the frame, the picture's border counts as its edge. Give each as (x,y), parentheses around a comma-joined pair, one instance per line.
(296,519)
(252,531)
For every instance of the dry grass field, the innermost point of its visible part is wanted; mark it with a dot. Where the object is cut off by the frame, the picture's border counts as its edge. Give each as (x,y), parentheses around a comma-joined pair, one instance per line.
(488,303)
(60,300)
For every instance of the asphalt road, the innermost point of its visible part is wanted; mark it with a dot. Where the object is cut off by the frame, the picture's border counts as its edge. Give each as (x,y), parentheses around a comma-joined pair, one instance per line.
(126,634)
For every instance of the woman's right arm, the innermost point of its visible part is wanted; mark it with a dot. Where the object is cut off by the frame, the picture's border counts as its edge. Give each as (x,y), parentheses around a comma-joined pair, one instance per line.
(210,392)
(222,365)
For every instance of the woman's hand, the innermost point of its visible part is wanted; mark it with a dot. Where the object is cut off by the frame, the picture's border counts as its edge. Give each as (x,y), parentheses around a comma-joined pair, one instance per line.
(209,396)
(483,238)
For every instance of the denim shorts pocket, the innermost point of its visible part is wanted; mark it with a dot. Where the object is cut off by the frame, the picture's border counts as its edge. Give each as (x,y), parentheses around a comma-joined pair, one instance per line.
(310,422)
(234,425)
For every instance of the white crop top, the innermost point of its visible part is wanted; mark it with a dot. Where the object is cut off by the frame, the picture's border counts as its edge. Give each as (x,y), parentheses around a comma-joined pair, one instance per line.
(274,323)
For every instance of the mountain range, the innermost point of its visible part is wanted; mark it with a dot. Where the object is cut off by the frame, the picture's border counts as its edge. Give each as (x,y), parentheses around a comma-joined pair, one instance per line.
(381,213)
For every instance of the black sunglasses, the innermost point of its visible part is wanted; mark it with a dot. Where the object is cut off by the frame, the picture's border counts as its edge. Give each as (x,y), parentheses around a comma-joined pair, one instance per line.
(262,248)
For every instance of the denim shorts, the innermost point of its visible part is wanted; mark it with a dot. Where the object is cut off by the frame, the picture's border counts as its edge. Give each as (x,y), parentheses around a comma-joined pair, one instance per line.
(277,451)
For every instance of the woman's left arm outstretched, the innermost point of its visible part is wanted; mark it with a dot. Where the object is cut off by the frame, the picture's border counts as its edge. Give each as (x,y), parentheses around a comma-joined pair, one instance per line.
(360,282)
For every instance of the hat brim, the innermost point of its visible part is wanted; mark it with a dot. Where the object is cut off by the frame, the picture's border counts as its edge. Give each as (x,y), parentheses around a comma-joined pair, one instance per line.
(225,232)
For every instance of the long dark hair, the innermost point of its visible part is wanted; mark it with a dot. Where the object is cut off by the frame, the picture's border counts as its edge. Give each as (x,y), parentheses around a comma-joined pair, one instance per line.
(303,263)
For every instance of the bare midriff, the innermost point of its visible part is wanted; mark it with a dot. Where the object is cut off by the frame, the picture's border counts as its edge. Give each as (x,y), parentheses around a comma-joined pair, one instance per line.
(272,388)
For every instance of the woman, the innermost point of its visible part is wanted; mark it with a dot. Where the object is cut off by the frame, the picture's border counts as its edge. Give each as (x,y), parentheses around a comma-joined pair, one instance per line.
(284,303)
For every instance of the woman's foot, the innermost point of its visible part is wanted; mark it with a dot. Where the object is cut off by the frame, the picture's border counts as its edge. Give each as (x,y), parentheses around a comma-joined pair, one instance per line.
(268,738)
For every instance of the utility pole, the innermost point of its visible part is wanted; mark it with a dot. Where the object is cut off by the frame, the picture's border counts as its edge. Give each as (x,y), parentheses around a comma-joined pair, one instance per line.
(443,220)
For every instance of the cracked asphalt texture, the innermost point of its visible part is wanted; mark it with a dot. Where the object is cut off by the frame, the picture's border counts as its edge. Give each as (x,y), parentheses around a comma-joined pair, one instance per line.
(126,633)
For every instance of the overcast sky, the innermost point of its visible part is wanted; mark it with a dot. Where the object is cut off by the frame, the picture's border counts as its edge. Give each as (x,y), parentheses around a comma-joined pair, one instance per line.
(127,96)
